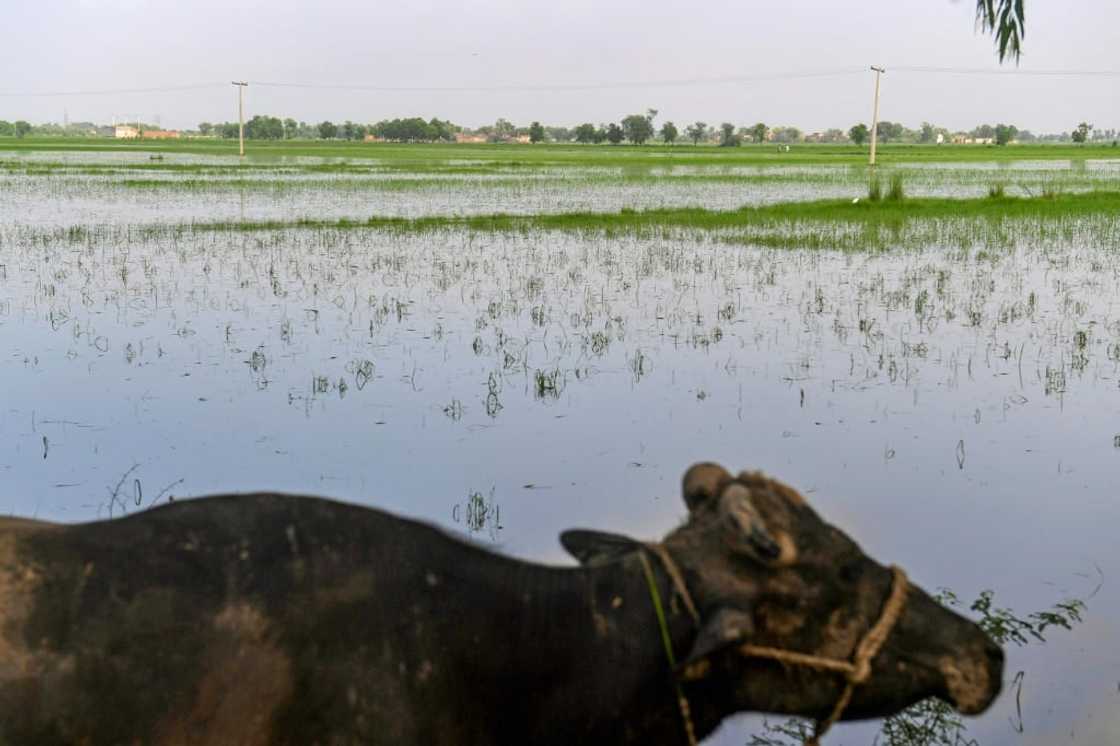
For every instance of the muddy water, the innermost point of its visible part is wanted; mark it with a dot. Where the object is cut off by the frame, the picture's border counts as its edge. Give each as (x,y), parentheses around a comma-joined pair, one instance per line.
(956,410)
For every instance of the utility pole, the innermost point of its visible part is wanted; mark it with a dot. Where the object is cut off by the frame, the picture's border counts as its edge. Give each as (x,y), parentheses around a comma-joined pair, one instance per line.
(241,85)
(875,114)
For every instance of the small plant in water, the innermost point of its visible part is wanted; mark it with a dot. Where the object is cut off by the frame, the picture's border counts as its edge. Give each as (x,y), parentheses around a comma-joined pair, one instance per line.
(480,513)
(897,191)
(548,384)
(875,189)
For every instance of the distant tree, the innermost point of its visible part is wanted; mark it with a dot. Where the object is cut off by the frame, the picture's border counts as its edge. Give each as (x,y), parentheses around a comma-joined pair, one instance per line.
(22,128)
(327,130)
(669,133)
(205,128)
(1079,135)
(696,132)
(413,129)
(786,134)
(889,131)
(984,131)
(859,133)
(834,135)
(442,129)
(352,131)
(536,132)
(727,136)
(638,128)
(758,132)
(503,130)
(585,133)
(615,135)
(1005,133)
(7,129)
(263,127)
(558,134)
(928,133)
(291,128)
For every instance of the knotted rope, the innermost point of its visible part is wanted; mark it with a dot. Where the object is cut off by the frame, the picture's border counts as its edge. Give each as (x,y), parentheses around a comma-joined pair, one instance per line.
(856,671)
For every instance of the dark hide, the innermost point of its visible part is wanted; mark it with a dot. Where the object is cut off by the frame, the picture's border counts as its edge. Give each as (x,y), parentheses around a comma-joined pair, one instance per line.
(269,619)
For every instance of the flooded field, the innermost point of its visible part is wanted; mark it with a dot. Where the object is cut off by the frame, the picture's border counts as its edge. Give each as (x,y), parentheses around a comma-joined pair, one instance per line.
(68,188)
(946,391)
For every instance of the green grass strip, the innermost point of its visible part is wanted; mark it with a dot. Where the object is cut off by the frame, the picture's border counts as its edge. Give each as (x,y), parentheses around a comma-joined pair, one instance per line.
(861,212)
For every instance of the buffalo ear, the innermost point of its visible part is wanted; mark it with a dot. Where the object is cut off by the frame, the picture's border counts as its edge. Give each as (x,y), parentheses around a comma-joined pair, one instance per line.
(748,531)
(726,627)
(597,547)
(703,482)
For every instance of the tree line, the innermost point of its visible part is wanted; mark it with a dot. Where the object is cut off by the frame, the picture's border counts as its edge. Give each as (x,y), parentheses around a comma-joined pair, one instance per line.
(637,129)
(265,127)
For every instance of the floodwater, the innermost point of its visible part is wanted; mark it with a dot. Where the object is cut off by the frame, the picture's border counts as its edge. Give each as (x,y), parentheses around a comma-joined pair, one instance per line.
(956,409)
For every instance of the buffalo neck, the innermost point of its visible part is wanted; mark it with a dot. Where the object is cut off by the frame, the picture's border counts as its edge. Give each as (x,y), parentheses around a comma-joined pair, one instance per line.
(593,635)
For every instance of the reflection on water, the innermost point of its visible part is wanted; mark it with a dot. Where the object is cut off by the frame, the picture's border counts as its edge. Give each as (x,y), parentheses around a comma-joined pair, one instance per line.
(954,409)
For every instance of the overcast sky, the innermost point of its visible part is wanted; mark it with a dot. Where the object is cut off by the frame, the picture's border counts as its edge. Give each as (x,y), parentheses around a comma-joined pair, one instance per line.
(83,45)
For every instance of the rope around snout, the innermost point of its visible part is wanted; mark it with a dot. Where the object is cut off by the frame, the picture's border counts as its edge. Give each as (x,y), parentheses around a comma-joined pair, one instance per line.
(856,671)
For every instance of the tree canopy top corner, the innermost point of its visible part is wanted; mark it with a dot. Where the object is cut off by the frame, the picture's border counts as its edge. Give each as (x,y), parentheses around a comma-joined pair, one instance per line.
(1004,20)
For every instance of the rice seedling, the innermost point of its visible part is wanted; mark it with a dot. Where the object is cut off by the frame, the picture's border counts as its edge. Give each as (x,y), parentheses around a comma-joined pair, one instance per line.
(897,191)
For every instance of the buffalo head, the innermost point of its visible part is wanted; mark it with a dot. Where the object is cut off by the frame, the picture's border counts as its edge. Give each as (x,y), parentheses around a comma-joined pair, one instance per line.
(765,571)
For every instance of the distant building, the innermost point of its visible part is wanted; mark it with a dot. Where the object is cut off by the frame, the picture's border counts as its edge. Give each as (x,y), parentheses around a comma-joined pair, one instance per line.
(940,138)
(125,131)
(159,134)
(462,137)
(373,138)
(962,139)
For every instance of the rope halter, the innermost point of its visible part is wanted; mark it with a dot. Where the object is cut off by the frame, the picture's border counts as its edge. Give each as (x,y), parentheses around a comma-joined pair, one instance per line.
(856,671)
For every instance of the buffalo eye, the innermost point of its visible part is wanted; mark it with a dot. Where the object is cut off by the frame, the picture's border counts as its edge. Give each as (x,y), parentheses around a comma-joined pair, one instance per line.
(763,545)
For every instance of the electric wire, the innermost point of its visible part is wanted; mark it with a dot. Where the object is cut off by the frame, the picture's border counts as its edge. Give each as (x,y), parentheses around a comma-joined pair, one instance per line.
(564,87)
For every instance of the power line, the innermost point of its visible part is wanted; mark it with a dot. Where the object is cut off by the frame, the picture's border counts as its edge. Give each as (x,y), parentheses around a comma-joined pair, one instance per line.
(1023,73)
(113,91)
(554,87)
(561,87)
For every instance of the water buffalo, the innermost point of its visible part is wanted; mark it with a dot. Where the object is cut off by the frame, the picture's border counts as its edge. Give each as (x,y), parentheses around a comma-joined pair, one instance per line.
(271,619)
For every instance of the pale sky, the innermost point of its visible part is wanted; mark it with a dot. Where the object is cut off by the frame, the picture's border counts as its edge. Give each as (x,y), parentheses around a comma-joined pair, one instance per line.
(86,45)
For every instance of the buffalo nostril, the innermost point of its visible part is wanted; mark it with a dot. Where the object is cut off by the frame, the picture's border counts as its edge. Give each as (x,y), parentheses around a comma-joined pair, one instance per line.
(973,681)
